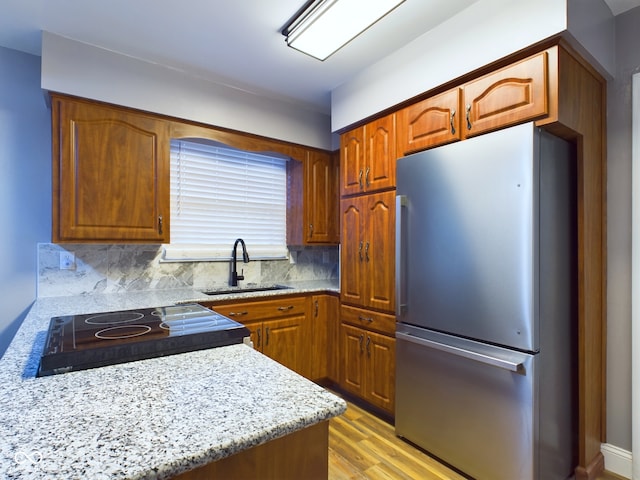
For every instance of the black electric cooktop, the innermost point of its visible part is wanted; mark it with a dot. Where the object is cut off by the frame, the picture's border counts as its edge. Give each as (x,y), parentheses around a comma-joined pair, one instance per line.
(79,342)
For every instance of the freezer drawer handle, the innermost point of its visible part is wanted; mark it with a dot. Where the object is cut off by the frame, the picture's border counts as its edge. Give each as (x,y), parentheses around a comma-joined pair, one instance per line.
(517,367)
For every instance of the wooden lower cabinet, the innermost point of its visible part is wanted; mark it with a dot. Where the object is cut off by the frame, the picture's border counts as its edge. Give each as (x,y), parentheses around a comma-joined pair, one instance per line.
(367,367)
(283,341)
(301,454)
(280,328)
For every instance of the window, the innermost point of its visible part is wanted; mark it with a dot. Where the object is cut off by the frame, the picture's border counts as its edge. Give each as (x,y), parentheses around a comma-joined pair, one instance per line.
(219,194)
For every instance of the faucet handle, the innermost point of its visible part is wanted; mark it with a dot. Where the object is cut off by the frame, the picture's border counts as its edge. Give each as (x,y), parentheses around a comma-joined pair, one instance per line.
(241,276)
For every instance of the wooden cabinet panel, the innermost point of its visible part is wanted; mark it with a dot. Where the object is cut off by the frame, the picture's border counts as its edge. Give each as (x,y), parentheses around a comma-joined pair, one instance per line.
(284,342)
(321,199)
(368,366)
(324,322)
(352,287)
(280,328)
(381,371)
(368,157)
(431,122)
(511,95)
(312,200)
(368,251)
(251,311)
(352,145)
(380,154)
(380,251)
(376,321)
(110,174)
(352,364)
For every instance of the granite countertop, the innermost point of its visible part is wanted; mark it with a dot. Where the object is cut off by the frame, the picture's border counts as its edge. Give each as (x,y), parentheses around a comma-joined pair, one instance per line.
(153,418)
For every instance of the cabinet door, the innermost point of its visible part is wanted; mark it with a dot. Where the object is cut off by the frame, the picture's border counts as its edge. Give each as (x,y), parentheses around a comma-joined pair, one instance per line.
(431,122)
(380,154)
(255,330)
(352,359)
(321,199)
(352,145)
(380,371)
(283,342)
(379,251)
(514,94)
(111,174)
(352,288)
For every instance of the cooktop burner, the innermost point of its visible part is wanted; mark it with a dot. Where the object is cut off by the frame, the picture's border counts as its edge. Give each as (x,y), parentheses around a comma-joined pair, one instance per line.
(79,342)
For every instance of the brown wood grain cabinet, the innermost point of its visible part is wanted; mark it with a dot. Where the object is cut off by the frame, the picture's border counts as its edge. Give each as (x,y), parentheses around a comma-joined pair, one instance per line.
(368,157)
(368,366)
(430,122)
(510,95)
(280,328)
(312,200)
(553,86)
(324,326)
(110,174)
(367,272)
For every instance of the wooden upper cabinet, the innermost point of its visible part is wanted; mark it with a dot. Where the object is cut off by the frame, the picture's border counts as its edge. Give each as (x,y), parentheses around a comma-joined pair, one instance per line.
(110,174)
(312,200)
(321,221)
(380,154)
(352,162)
(368,251)
(511,95)
(431,122)
(368,156)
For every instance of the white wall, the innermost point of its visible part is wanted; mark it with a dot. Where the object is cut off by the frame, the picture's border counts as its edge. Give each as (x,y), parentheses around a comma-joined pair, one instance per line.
(25,185)
(486,31)
(619,231)
(79,69)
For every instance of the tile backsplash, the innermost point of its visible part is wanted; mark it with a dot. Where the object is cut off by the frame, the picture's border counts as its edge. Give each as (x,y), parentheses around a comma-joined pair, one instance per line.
(122,268)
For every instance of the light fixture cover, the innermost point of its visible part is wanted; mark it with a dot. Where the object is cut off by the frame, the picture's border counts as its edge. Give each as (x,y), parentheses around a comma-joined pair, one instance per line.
(327,25)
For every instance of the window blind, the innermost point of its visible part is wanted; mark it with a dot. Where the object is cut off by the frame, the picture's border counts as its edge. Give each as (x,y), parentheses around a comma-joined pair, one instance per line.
(219,194)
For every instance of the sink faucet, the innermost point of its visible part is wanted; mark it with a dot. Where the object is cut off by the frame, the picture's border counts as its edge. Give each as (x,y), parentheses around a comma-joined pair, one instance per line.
(245,258)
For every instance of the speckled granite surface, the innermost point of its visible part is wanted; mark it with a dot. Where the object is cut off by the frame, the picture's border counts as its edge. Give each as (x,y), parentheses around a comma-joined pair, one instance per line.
(147,419)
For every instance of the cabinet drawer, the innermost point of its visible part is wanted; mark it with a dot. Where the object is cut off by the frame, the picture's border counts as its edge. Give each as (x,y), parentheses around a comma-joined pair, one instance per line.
(376,321)
(263,309)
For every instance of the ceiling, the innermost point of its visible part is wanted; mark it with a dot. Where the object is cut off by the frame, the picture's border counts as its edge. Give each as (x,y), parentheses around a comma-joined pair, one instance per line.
(237,43)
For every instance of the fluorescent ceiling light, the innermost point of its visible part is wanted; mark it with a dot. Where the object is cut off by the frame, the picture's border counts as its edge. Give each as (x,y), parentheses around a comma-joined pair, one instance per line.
(324,26)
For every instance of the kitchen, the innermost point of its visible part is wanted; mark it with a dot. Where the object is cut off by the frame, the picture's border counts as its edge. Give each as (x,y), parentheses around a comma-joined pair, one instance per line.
(36,204)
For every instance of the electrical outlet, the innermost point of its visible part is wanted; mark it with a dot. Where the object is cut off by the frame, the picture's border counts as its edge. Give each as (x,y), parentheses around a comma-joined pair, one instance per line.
(67,260)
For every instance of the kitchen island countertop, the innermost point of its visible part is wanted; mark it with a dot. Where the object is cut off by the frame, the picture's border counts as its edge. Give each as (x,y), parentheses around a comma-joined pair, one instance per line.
(153,418)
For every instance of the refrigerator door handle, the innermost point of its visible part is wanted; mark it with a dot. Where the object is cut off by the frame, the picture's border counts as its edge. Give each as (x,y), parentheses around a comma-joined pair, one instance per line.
(401,256)
(517,367)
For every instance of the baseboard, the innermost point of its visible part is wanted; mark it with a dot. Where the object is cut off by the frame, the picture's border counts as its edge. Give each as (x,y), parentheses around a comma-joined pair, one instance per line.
(616,460)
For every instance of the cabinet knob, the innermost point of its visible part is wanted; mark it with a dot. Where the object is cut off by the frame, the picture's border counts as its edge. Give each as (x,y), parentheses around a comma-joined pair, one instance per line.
(311,229)
(237,314)
(368,346)
(284,309)
(366,251)
(160,226)
(360,180)
(316,309)
(366,177)
(361,341)
(468,116)
(360,250)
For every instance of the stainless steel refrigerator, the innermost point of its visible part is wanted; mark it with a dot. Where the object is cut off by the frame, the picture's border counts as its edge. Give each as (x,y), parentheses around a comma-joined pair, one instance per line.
(486,359)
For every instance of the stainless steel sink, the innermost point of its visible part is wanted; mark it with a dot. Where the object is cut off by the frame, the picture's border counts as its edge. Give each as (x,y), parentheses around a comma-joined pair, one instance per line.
(244,289)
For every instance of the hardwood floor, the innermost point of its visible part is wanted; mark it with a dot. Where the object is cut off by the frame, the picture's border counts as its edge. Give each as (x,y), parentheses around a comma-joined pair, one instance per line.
(362,446)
